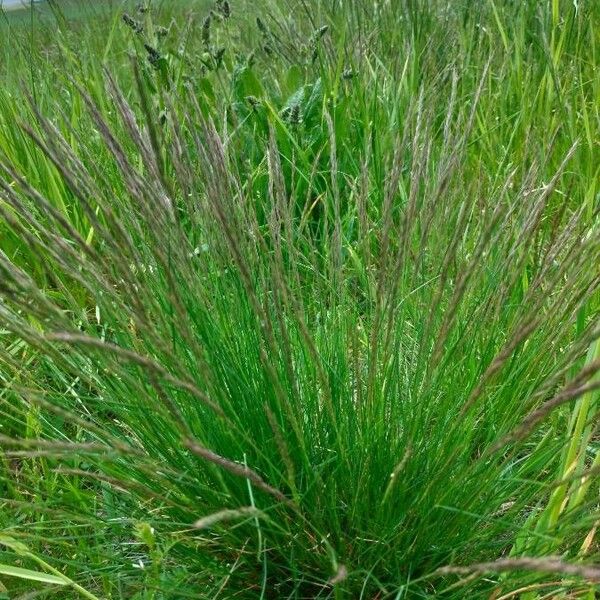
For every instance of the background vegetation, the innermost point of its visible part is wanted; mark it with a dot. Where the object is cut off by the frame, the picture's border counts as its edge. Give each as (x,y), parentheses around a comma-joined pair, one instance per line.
(299,299)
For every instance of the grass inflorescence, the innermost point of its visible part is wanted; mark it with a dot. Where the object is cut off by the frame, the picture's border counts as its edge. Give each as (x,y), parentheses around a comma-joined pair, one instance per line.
(299,300)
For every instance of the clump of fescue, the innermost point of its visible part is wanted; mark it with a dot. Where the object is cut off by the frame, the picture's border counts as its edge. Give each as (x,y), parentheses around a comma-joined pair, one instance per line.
(324,350)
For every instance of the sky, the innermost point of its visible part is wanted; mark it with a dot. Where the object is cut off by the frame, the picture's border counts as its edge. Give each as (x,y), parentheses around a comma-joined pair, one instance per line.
(8,3)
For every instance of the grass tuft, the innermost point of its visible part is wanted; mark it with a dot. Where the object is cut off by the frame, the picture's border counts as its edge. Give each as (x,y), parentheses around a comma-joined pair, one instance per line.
(299,301)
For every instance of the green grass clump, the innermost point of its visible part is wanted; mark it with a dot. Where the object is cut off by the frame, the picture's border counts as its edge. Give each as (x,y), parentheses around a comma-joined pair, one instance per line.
(299,301)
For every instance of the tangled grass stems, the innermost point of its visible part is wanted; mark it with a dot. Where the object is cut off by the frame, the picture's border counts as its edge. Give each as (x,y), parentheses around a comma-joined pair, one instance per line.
(347,318)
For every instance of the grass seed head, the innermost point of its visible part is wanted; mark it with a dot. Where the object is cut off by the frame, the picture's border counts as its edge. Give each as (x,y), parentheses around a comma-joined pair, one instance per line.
(154,55)
(134,25)
(224,8)
(218,55)
(206,31)
(262,27)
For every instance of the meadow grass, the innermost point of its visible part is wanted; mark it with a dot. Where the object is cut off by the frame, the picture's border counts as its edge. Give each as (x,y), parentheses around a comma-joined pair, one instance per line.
(299,300)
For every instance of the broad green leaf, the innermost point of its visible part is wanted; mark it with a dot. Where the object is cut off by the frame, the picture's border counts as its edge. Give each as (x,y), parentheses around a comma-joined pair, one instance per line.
(30,575)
